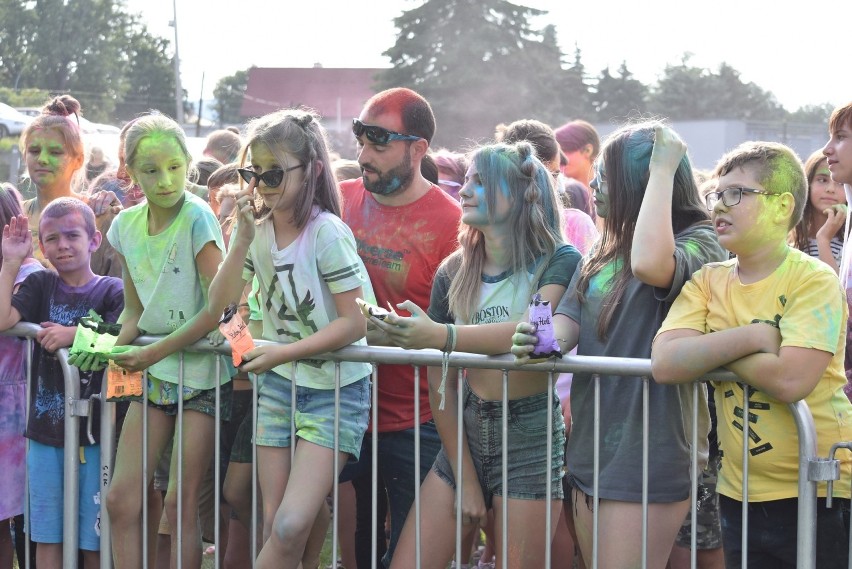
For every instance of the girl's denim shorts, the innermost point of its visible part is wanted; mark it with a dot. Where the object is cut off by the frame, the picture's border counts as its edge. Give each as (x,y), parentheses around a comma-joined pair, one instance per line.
(314,413)
(527,447)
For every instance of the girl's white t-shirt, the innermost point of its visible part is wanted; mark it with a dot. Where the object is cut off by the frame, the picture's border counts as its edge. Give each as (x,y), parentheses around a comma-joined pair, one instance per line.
(296,288)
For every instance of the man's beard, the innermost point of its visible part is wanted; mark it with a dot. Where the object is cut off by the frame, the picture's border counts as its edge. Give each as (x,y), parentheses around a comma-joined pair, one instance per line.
(394,180)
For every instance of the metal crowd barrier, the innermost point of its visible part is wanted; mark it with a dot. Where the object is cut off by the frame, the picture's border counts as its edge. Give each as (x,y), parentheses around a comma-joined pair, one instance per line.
(812,469)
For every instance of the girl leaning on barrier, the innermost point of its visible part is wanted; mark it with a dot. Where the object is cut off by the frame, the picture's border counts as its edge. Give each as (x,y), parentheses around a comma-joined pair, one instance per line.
(656,234)
(511,247)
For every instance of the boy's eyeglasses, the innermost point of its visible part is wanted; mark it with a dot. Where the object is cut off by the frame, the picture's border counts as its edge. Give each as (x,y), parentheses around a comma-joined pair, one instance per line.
(272,178)
(377,134)
(731,196)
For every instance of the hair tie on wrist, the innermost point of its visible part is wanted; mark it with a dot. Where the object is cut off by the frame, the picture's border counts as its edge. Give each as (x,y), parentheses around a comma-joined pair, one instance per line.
(449,346)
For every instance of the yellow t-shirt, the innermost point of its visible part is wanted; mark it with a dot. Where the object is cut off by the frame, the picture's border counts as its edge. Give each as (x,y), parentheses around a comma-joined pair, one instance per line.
(803,296)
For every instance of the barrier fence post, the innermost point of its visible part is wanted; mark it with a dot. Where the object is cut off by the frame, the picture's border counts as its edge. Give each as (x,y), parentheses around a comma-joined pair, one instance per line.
(71,503)
(806,530)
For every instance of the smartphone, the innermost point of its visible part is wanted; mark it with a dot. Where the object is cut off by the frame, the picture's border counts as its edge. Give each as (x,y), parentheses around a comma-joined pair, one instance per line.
(368,309)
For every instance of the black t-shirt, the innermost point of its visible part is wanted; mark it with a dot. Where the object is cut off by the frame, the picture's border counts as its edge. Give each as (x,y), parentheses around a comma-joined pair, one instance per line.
(43,297)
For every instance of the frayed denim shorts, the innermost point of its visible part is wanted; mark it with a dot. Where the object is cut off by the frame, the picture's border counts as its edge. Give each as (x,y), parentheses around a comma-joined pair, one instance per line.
(314,414)
(528,469)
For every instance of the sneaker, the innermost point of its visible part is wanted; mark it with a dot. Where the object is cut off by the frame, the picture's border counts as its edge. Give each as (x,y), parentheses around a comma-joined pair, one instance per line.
(484,565)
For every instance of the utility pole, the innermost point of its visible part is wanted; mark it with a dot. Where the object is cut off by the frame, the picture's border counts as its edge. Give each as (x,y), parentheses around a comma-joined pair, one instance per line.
(200,103)
(178,87)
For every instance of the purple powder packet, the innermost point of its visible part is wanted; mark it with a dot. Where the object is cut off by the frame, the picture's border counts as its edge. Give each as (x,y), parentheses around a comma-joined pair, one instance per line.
(541,317)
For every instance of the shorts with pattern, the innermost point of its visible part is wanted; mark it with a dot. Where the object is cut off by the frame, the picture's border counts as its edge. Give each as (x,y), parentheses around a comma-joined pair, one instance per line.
(709,534)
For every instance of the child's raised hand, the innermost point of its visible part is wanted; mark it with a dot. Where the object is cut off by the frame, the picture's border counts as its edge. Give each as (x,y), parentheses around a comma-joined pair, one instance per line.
(17,240)
(412,333)
(523,342)
(836,217)
(245,215)
(53,336)
(668,150)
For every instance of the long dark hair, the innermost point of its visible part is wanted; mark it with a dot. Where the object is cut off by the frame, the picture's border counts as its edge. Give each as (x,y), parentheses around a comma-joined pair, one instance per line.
(802,231)
(626,157)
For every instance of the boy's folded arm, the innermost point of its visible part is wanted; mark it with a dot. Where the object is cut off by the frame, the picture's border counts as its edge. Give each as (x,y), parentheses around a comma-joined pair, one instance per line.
(683,355)
(789,376)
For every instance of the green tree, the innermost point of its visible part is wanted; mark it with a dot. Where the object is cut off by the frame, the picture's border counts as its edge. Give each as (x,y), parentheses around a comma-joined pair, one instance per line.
(23,97)
(85,47)
(15,41)
(681,92)
(619,96)
(730,97)
(229,93)
(686,92)
(149,74)
(812,114)
(577,96)
(479,63)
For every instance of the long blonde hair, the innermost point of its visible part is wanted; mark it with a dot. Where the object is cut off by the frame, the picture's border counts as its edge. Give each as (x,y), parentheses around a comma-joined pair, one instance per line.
(535,217)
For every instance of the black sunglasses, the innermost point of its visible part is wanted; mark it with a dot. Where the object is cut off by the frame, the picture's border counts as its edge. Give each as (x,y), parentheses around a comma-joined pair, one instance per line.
(377,134)
(272,178)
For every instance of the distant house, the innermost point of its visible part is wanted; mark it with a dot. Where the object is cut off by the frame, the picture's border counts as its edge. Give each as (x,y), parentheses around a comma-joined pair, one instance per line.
(337,94)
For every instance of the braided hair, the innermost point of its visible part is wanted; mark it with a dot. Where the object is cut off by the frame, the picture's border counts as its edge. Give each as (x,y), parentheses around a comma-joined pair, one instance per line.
(534,215)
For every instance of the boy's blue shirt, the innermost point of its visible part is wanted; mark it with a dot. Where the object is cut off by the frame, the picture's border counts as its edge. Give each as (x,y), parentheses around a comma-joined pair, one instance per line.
(44,297)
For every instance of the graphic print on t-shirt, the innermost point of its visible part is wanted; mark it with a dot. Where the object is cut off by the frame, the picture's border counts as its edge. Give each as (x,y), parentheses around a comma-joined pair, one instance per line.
(48,402)
(275,302)
(276,295)
(491,314)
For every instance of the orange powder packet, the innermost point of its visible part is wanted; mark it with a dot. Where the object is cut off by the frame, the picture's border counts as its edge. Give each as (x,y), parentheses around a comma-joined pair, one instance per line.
(236,332)
(122,383)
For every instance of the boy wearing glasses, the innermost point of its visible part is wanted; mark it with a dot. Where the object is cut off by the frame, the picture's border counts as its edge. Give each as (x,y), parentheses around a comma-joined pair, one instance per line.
(777,318)
(404,226)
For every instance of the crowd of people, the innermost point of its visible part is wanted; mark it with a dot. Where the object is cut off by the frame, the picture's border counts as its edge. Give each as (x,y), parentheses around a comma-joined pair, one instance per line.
(637,254)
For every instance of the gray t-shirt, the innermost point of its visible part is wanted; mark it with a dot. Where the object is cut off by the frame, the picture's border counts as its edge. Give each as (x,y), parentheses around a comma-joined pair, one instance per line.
(500,298)
(631,331)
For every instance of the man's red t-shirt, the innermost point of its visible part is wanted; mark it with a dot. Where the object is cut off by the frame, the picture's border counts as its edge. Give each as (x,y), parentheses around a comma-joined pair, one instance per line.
(402,248)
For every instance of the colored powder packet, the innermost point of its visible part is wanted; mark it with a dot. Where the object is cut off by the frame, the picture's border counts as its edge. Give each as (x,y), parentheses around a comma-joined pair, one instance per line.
(235,330)
(122,384)
(94,336)
(541,317)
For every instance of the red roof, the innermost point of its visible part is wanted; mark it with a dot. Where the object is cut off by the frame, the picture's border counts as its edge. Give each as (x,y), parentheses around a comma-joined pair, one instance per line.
(320,88)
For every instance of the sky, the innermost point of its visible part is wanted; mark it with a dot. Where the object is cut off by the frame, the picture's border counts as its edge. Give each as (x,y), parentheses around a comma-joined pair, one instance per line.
(777,44)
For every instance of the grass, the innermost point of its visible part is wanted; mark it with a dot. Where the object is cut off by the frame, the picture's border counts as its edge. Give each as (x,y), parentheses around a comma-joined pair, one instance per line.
(207,561)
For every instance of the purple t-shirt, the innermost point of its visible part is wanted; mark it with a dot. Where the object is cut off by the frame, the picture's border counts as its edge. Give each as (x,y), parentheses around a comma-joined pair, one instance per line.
(43,297)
